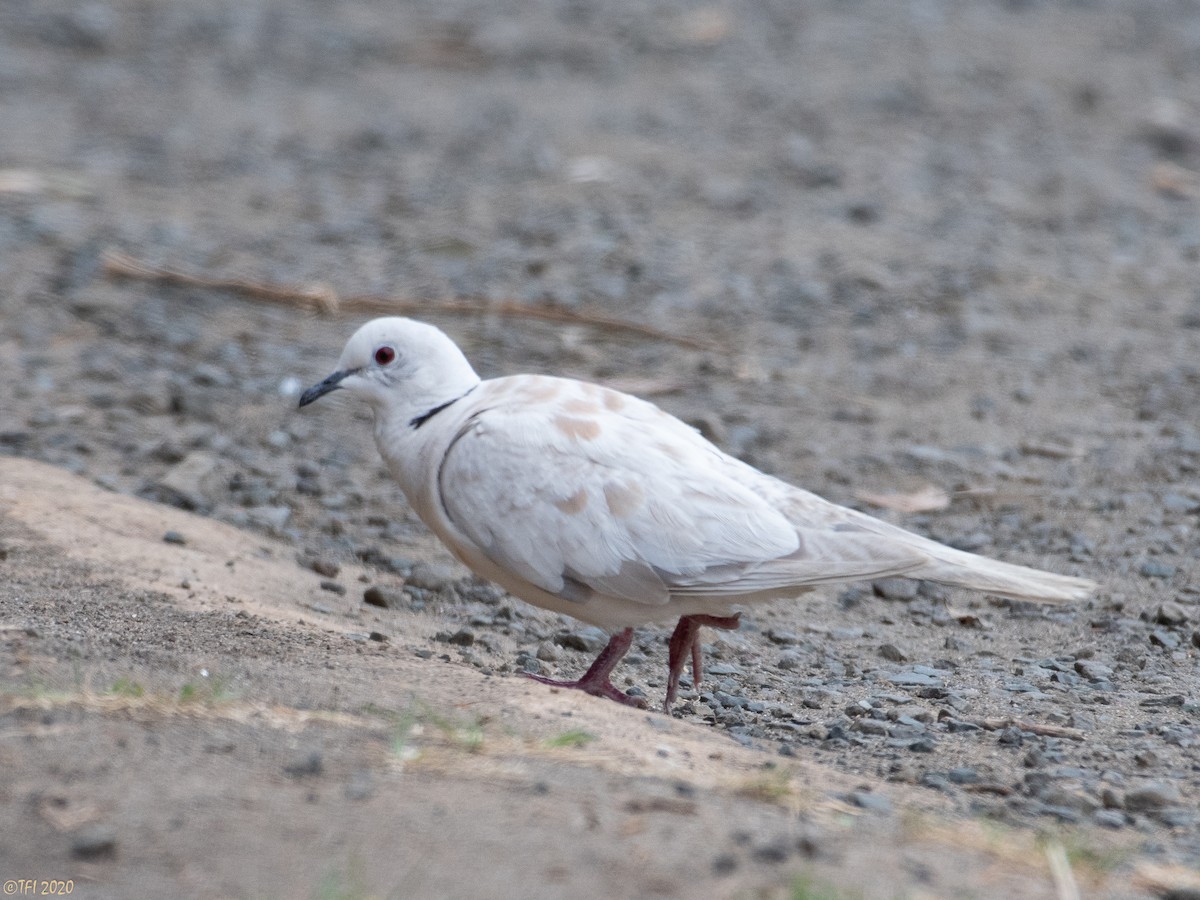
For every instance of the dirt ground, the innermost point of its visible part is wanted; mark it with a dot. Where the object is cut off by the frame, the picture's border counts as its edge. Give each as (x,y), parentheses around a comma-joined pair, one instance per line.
(873,247)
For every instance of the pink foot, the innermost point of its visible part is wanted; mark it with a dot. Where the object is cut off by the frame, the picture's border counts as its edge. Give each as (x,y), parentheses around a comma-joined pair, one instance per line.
(685,641)
(595,679)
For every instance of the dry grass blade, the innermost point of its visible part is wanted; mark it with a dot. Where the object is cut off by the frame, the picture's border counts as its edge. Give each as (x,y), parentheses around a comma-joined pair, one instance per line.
(324,299)
(925,499)
(1060,870)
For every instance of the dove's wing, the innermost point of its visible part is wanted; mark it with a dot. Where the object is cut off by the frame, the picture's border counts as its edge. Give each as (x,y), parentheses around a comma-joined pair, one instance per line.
(581,499)
(941,563)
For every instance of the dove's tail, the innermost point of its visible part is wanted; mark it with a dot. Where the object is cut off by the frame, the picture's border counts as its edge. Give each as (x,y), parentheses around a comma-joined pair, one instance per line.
(958,568)
(954,567)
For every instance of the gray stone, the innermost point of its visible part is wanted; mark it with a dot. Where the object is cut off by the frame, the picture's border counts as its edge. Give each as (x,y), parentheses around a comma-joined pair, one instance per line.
(903,590)
(1109,818)
(430,576)
(1152,796)
(1093,671)
(958,726)
(305,765)
(1176,817)
(776,636)
(1070,799)
(845,634)
(1064,814)
(360,786)
(1166,639)
(94,842)
(1153,568)
(912,713)
(775,851)
(724,864)
(721,669)
(892,653)
(1178,503)
(869,726)
(587,639)
(270,517)
(876,803)
(326,567)
(1170,613)
(789,660)
(915,678)
(190,483)
(386,597)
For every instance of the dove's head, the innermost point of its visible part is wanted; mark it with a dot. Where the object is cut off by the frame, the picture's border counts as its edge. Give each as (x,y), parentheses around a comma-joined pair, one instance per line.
(401,367)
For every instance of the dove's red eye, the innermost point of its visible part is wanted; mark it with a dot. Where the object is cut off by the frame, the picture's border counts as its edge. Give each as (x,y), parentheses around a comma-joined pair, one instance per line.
(384,355)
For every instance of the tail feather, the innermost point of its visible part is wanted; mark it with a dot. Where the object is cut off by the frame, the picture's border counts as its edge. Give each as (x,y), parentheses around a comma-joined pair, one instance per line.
(979,573)
(967,570)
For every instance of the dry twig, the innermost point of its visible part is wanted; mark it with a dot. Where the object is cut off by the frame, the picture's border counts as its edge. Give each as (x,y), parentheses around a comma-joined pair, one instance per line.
(1060,731)
(324,299)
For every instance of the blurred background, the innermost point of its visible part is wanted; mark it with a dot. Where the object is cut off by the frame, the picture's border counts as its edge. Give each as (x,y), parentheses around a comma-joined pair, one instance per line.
(934,223)
(870,246)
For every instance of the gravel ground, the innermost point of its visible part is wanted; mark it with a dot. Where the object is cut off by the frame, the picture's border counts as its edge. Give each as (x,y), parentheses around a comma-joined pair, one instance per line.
(924,243)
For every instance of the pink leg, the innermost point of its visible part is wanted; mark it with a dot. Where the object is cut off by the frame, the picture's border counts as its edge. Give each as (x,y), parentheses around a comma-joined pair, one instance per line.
(685,641)
(595,680)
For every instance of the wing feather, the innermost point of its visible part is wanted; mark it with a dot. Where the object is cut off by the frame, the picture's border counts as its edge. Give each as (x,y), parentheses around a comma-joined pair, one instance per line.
(635,504)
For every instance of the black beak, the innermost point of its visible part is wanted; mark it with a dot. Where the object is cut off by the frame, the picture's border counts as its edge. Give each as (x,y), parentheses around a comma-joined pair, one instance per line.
(332,383)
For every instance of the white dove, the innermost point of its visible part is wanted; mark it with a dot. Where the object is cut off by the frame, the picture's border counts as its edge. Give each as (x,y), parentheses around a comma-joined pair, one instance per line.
(596,504)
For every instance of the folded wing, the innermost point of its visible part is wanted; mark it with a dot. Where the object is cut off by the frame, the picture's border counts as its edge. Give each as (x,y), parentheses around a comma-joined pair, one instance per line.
(635,504)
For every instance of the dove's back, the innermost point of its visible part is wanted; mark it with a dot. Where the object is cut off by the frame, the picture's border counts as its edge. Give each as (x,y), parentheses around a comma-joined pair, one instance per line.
(595,503)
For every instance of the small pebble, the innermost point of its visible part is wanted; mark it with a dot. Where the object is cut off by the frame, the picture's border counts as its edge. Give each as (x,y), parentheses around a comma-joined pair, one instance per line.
(775,851)
(360,786)
(1153,796)
(325,567)
(777,636)
(305,765)
(903,590)
(724,864)
(1166,639)
(1152,568)
(588,639)
(94,842)
(876,803)
(1108,818)
(915,679)
(385,597)
(892,653)
(430,576)
(1093,671)
(1170,613)
(174,537)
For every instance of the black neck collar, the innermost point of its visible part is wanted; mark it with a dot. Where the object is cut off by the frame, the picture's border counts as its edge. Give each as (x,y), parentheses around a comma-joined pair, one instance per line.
(426,416)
